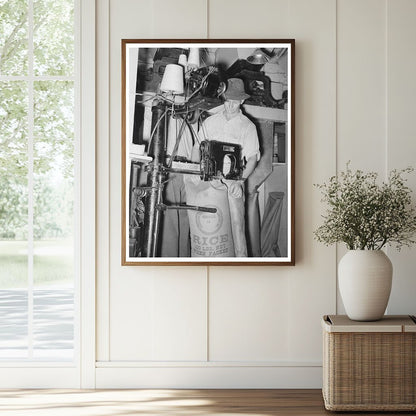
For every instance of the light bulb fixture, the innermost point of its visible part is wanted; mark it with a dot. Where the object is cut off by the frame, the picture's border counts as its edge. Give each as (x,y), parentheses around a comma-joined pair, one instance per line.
(193,58)
(258,57)
(183,61)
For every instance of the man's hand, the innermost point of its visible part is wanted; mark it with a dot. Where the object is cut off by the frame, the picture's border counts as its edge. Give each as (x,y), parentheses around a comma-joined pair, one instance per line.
(250,166)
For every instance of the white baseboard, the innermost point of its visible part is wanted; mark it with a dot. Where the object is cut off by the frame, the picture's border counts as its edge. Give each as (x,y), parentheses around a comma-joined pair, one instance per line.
(209,377)
(39,378)
(160,375)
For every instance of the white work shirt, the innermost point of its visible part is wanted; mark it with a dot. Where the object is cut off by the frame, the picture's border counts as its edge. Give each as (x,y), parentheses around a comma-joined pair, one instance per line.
(238,130)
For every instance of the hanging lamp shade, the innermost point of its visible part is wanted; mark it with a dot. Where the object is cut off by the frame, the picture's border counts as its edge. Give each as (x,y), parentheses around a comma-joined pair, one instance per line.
(172,81)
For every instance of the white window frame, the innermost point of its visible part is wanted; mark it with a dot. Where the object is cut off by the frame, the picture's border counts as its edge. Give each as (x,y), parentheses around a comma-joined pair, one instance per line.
(81,371)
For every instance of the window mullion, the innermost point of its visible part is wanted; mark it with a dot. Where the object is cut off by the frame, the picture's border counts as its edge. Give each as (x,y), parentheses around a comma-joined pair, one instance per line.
(30,178)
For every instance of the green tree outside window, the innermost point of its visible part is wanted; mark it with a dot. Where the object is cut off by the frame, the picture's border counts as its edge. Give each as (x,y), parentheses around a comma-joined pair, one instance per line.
(37,60)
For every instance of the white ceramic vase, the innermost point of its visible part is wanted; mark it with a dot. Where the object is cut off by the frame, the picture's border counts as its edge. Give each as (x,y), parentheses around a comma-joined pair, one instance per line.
(364,278)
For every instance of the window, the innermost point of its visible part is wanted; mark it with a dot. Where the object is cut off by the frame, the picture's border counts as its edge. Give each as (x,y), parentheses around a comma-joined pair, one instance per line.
(38,185)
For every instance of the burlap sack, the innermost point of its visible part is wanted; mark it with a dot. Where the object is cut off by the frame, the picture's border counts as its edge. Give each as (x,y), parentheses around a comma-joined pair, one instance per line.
(221,234)
(211,234)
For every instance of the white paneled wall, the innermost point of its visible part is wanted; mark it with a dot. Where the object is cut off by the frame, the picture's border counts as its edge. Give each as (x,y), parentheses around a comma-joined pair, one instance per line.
(361,84)
(253,326)
(164,315)
(401,132)
(248,315)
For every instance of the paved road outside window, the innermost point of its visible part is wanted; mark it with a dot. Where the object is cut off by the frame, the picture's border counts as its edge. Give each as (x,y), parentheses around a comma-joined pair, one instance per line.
(53,324)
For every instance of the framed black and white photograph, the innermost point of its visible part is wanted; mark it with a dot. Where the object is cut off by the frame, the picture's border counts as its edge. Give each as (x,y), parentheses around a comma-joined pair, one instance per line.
(208,152)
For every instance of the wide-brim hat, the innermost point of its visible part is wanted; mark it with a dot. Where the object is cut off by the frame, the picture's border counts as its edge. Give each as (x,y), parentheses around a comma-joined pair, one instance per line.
(235,90)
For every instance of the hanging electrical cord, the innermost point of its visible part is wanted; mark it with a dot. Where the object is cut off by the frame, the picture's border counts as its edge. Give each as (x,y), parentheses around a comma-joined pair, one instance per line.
(203,128)
(178,139)
(148,99)
(193,132)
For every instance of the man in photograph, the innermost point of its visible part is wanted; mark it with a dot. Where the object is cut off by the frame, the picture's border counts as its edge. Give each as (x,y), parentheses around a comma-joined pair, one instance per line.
(232,126)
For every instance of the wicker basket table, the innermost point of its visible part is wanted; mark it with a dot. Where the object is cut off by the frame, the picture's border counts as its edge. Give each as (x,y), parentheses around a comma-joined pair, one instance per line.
(369,366)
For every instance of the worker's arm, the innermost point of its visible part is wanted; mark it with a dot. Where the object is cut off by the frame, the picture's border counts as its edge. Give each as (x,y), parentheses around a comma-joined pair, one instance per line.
(250,166)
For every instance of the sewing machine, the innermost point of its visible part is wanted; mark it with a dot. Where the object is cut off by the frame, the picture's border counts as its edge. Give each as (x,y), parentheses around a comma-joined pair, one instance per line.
(219,159)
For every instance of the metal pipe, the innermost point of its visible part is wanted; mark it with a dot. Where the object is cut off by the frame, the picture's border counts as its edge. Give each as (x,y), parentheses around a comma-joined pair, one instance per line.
(155,179)
(163,207)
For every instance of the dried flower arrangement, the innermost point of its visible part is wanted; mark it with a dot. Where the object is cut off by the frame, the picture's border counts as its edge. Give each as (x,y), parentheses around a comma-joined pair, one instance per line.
(366,215)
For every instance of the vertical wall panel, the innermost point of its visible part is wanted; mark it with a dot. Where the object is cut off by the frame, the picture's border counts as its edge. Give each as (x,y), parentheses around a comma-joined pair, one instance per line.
(401,143)
(131,316)
(139,328)
(361,84)
(180,307)
(159,316)
(248,315)
(102,193)
(312,281)
(181,19)
(262,19)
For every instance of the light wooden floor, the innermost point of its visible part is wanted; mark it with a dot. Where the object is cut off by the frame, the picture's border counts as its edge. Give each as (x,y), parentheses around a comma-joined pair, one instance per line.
(165,402)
